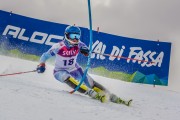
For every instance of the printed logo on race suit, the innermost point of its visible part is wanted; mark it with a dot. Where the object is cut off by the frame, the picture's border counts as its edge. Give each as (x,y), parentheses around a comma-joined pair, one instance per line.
(68,52)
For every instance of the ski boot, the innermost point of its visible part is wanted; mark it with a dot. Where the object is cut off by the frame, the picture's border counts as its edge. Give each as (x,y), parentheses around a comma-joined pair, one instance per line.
(115,99)
(93,94)
(84,89)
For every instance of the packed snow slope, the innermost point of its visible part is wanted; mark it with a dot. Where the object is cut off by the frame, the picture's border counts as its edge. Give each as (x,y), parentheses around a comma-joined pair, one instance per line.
(34,96)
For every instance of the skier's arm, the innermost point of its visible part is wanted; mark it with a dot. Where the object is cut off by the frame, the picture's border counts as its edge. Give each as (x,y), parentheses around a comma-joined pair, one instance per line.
(84,49)
(45,56)
(51,52)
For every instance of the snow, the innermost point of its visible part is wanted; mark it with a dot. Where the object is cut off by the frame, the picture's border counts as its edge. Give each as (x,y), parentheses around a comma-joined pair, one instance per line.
(34,96)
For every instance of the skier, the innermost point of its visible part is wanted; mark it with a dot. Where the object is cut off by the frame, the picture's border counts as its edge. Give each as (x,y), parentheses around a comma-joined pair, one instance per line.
(68,71)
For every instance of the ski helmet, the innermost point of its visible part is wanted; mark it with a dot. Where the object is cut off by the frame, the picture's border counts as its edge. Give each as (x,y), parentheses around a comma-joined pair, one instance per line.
(72,35)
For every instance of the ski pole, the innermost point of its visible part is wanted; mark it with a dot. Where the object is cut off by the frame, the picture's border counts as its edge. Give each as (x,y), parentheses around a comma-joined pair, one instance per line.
(123,57)
(18,73)
(90,43)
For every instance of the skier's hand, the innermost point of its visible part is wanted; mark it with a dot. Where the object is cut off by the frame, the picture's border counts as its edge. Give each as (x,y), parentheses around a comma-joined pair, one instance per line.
(84,51)
(41,68)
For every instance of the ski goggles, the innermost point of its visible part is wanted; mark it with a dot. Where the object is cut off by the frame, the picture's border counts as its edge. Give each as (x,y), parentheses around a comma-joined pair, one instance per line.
(74,36)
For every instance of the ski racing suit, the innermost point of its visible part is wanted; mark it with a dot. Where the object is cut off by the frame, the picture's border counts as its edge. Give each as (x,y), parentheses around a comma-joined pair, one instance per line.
(67,70)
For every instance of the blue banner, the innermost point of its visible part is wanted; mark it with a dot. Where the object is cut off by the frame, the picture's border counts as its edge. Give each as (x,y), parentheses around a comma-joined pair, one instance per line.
(128,59)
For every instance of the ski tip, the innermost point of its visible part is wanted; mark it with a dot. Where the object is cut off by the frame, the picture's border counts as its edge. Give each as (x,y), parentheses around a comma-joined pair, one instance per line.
(130,102)
(71,92)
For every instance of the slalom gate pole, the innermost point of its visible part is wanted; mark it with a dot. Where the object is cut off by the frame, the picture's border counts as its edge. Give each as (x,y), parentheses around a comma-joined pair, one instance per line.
(122,57)
(17,73)
(90,51)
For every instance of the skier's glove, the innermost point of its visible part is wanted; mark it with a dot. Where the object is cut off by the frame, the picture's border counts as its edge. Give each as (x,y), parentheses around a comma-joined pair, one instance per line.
(41,68)
(84,51)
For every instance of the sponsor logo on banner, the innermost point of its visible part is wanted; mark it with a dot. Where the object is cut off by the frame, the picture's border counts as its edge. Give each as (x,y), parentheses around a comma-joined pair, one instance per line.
(36,37)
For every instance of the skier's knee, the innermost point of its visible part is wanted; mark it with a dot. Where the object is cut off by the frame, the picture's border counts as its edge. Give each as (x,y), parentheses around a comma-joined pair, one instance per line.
(61,76)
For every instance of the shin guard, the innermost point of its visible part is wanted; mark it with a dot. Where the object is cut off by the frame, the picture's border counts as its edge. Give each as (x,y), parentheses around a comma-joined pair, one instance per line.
(73,83)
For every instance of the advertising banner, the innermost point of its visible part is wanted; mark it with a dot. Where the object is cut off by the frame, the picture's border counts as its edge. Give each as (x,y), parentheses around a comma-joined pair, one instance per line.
(127,59)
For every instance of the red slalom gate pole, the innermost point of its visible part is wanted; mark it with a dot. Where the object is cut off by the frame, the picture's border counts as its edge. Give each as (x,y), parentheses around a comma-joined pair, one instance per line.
(17,73)
(123,57)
